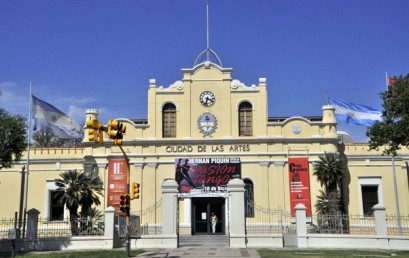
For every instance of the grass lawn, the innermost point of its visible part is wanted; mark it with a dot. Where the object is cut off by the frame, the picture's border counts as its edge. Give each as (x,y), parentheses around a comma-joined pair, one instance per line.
(76,254)
(267,253)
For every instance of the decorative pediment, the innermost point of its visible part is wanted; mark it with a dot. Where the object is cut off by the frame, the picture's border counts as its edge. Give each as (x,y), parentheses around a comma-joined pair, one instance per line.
(238,85)
(179,85)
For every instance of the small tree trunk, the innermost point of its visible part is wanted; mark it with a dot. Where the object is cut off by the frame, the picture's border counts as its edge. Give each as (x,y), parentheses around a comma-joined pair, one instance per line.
(73,221)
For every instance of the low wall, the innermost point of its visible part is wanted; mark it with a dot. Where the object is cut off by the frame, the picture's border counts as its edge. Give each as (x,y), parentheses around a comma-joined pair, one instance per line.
(155,241)
(264,241)
(357,242)
(58,243)
(346,241)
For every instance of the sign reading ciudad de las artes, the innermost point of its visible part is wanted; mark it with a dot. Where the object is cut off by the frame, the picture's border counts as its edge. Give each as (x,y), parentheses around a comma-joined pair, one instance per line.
(207,174)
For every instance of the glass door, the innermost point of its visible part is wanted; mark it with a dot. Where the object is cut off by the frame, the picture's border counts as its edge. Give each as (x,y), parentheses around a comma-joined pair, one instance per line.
(202,210)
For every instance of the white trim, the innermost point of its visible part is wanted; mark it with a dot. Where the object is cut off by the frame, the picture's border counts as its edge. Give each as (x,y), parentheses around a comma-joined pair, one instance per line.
(169,102)
(253,107)
(187,212)
(50,186)
(375,181)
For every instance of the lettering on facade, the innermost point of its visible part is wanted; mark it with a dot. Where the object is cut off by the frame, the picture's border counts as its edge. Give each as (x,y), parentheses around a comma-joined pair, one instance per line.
(208,148)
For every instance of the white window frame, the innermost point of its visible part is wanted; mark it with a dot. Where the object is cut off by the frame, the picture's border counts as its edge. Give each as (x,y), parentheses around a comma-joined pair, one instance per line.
(51,186)
(369,181)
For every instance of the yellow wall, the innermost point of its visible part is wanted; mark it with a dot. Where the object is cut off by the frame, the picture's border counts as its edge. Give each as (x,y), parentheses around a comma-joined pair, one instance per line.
(263,156)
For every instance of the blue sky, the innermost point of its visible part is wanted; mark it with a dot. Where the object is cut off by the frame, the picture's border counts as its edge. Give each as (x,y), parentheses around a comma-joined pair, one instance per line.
(101,54)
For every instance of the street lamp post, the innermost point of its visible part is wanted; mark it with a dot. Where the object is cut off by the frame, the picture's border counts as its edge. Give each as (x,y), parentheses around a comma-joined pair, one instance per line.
(396,195)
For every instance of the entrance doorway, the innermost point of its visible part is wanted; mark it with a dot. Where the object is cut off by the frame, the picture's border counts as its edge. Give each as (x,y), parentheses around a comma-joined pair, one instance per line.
(202,209)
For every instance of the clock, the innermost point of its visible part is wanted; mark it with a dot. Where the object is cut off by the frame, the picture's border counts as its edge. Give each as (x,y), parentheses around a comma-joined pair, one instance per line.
(207,99)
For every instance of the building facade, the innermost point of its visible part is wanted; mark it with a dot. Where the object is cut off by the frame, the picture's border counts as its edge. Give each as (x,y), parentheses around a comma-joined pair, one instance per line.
(203,130)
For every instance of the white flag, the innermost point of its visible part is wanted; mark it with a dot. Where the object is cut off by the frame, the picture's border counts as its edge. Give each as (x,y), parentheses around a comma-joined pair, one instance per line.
(351,113)
(48,117)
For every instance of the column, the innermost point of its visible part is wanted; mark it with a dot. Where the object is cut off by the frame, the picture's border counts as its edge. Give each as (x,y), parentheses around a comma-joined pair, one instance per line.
(380,220)
(169,213)
(301,221)
(187,216)
(109,227)
(32,224)
(237,219)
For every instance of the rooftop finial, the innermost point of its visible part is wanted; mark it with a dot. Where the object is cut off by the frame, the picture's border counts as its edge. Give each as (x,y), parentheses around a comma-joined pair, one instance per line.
(208,50)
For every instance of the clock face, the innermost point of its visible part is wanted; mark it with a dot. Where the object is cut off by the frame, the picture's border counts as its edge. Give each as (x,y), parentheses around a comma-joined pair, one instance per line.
(207,99)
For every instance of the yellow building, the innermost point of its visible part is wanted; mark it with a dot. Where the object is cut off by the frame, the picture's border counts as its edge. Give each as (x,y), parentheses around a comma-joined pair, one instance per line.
(222,126)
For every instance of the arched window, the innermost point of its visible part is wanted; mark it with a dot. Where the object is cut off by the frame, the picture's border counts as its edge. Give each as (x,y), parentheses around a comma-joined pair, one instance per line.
(245,119)
(249,198)
(169,120)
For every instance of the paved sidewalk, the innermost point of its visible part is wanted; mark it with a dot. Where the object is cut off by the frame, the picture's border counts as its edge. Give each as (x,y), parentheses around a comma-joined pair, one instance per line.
(199,252)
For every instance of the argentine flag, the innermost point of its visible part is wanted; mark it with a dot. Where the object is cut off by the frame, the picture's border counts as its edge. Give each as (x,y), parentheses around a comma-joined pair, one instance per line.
(46,116)
(351,113)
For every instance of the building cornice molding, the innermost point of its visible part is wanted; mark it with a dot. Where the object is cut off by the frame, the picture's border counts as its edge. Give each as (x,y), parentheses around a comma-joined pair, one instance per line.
(212,141)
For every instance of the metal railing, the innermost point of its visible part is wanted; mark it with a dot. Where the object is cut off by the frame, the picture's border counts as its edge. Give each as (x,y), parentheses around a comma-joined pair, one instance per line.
(5,225)
(269,221)
(342,224)
(67,228)
(59,228)
(151,219)
(397,226)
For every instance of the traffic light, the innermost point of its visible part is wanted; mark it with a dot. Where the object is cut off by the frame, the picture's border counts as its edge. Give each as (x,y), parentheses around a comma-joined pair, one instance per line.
(135,191)
(115,131)
(94,131)
(125,203)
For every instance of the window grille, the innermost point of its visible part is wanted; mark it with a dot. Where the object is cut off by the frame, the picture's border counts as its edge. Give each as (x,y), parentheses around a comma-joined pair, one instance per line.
(249,198)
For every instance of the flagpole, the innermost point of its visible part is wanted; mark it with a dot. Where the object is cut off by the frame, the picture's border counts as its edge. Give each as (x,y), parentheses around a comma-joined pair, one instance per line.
(28,160)
(386,80)
(207,30)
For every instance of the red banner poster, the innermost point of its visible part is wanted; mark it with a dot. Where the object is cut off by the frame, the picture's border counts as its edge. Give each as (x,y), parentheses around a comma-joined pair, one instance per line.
(299,184)
(117,181)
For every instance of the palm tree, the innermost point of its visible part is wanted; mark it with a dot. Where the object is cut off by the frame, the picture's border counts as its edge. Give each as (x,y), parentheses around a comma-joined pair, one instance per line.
(78,190)
(91,195)
(328,203)
(328,207)
(330,170)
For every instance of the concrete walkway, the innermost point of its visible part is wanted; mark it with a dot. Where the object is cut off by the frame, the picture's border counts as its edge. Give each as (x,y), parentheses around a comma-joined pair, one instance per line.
(185,252)
(201,246)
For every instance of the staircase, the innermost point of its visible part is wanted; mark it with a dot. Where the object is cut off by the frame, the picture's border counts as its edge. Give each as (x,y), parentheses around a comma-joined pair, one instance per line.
(203,241)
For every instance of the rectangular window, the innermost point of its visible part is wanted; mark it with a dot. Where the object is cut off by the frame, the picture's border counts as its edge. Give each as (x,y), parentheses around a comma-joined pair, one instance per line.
(169,124)
(246,122)
(369,198)
(56,209)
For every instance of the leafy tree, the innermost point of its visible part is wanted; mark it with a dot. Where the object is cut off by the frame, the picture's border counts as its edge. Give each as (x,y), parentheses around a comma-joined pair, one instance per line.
(393,131)
(46,138)
(12,138)
(76,190)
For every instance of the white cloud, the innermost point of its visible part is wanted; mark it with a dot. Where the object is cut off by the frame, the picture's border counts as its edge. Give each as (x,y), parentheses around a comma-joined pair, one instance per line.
(14,98)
